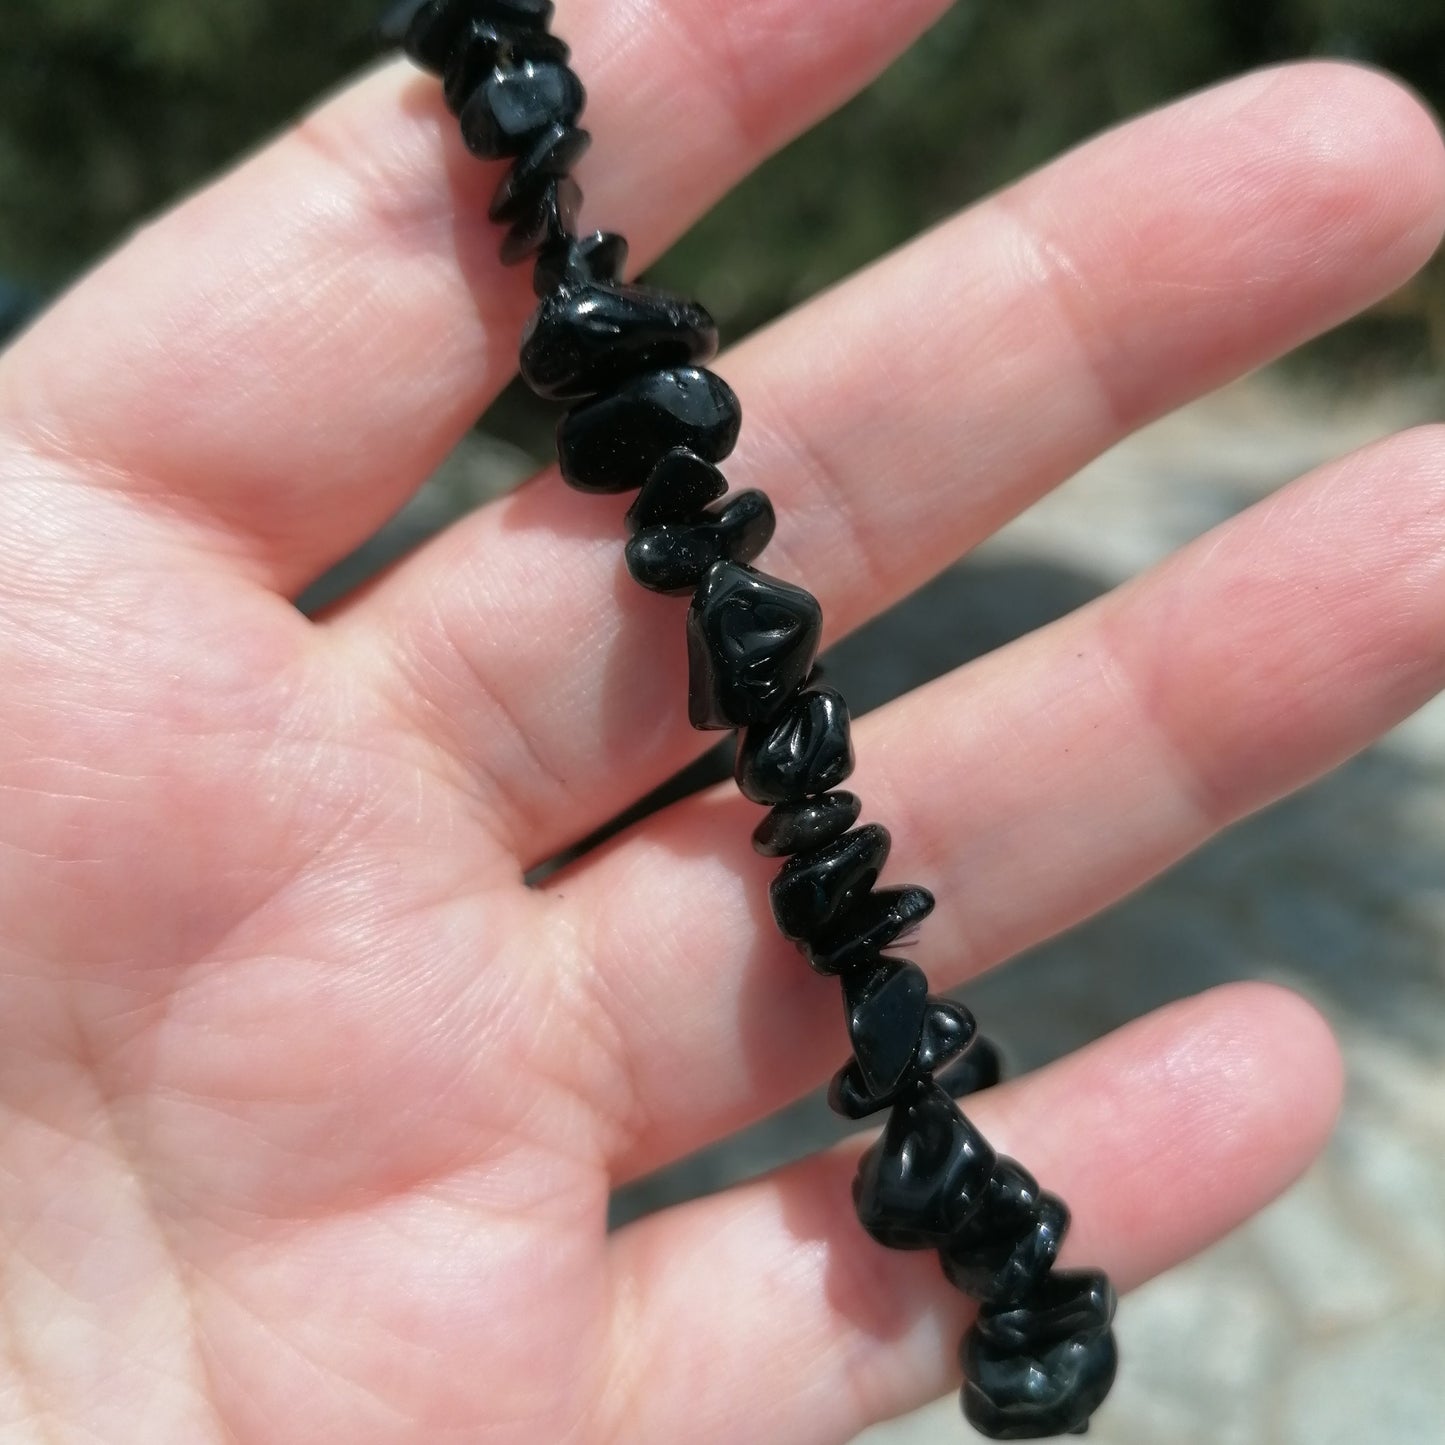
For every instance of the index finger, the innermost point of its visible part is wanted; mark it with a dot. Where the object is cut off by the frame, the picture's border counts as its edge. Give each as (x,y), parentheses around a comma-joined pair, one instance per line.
(284,359)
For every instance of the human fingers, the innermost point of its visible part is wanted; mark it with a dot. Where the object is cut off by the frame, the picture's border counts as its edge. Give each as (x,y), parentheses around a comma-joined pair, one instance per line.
(900,419)
(1028,789)
(765,1313)
(276,365)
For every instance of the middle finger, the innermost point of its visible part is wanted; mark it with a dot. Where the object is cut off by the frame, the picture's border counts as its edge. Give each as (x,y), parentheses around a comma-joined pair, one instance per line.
(904,417)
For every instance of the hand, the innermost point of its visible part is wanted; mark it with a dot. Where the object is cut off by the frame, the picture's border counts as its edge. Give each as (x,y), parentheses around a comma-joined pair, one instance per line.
(311,1107)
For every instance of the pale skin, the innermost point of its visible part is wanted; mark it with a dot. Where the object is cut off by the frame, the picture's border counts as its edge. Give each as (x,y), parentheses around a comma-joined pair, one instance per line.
(311,1108)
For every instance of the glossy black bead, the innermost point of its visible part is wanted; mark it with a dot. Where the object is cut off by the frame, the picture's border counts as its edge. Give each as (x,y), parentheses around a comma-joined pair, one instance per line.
(576,260)
(516,103)
(1036,1395)
(679,489)
(805,750)
(885,1007)
(554,153)
(582,340)
(1006,1270)
(751,642)
(483,47)
(948,1031)
(849,1096)
(981,1067)
(674,557)
(612,444)
(473,57)
(801,827)
(549,215)
(812,887)
(923,1179)
(1010,1206)
(1008,1246)
(870,923)
(431,30)
(1067,1304)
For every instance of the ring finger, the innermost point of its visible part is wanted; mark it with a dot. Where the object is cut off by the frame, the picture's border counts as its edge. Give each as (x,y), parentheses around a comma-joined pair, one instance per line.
(1028,790)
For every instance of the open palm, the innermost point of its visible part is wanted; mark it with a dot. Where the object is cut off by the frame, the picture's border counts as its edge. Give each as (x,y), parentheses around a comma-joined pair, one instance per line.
(311,1108)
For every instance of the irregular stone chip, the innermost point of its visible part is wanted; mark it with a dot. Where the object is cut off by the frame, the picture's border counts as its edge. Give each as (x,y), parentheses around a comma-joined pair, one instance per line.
(483,47)
(613,443)
(981,1067)
(1036,1395)
(516,103)
(801,827)
(807,749)
(551,213)
(1008,1246)
(1067,1303)
(554,153)
(812,887)
(679,489)
(926,1176)
(886,1006)
(674,557)
(576,260)
(582,340)
(751,642)
(871,923)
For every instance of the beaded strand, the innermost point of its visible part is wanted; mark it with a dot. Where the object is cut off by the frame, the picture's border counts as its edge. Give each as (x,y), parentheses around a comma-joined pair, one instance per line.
(646,416)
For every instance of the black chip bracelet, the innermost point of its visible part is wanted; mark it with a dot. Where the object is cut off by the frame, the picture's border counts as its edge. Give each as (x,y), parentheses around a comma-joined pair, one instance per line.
(646,417)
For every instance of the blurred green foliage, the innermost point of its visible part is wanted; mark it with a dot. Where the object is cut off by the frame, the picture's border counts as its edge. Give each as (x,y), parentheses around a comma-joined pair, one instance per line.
(109,107)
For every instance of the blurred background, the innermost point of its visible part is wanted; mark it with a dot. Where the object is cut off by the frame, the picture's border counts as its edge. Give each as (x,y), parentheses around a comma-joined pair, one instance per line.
(1322,1323)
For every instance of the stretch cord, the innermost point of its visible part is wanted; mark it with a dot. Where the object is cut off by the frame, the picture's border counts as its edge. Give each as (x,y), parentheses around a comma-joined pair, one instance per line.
(645,416)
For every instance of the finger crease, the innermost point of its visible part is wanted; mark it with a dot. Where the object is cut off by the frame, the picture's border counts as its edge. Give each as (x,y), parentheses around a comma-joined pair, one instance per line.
(1071,298)
(828,484)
